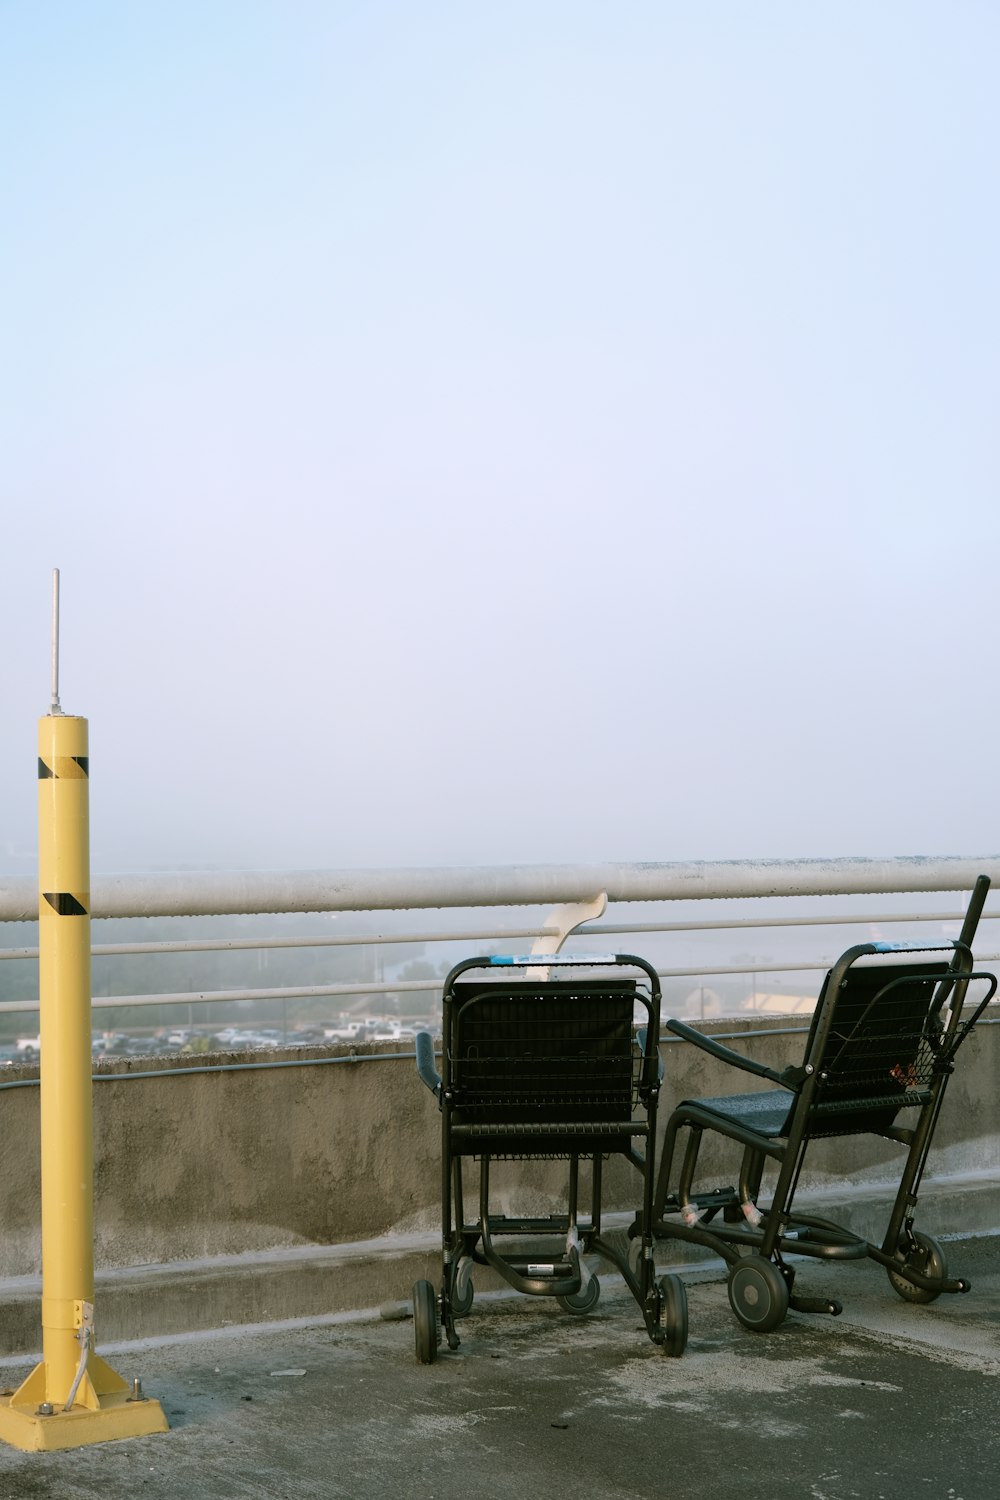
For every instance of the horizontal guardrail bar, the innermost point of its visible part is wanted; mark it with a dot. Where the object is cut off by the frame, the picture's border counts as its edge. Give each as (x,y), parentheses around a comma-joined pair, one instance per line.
(201,894)
(377,940)
(402,986)
(357,940)
(209,997)
(725,924)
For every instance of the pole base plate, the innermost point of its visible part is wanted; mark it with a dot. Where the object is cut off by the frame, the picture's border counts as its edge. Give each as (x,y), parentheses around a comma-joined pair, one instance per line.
(118,1417)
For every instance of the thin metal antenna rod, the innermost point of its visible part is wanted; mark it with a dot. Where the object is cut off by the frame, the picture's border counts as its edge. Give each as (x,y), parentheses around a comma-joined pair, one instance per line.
(55,709)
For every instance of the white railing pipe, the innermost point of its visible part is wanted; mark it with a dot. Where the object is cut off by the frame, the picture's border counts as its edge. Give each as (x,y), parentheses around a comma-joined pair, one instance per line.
(221,894)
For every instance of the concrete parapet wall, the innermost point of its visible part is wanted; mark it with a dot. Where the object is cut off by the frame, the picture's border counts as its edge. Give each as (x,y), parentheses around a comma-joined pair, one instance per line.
(210,1165)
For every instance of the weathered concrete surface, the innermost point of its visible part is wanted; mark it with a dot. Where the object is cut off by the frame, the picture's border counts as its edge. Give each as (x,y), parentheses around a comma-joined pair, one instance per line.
(888,1402)
(250,1170)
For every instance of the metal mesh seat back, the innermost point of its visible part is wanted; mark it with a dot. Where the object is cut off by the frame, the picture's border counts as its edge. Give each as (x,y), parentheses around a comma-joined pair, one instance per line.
(524,1054)
(877,1056)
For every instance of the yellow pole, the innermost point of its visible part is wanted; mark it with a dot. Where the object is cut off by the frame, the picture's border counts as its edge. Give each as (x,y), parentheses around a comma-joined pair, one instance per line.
(64,998)
(72,1397)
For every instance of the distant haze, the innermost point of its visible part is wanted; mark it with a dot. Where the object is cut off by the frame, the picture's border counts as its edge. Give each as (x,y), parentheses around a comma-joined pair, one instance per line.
(480,434)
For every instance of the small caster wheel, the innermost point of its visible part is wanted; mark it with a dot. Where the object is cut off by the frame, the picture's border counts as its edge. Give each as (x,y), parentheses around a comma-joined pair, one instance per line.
(928,1259)
(462,1291)
(758,1293)
(425,1322)
(673,1316)
(583,1301)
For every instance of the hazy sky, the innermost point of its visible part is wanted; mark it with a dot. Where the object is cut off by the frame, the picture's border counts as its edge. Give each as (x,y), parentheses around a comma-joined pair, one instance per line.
(472,433)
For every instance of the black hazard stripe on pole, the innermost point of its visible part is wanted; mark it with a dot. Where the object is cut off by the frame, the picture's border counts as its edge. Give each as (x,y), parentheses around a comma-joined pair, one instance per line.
(67,767)
(64,904)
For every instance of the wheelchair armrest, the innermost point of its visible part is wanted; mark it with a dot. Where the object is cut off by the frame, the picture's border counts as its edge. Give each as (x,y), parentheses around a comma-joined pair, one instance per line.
(425,1063)
(787,1078)
(640,1042)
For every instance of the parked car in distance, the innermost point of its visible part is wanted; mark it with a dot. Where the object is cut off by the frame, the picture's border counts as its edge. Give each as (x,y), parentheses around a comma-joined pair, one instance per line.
(106,1042)
(352,1031)
(308,1036)
(234,1037)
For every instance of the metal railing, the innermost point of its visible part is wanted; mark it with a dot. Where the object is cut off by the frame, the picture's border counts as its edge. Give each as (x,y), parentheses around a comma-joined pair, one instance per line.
(575,893)
(216,894)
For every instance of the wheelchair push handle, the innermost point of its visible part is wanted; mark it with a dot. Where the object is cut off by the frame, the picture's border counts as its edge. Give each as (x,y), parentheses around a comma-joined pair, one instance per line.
(555,960)
(975,910)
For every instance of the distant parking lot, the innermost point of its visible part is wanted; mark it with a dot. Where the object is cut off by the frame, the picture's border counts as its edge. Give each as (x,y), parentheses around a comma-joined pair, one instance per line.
(186,1040)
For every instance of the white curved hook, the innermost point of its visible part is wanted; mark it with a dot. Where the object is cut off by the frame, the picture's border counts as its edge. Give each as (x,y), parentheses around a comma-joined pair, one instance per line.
(565,918)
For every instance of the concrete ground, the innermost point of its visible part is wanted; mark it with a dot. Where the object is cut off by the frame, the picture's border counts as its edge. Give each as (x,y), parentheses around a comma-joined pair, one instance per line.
(886,1402)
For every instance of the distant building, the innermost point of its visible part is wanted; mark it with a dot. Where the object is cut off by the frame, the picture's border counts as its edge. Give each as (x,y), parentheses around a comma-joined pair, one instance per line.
(780,1005)
(704,1003)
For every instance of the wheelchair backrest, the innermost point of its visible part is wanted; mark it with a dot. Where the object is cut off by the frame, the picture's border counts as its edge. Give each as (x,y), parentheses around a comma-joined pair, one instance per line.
(875,1037)
(554,1051)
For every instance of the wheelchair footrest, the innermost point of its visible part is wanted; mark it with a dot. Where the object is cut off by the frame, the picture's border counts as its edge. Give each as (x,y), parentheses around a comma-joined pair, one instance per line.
(539,1266)
(539,1278)
(815,1305)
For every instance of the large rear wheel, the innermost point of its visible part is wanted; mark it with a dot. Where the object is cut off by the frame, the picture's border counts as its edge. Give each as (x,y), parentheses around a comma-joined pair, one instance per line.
(673,1315)
(425,1322)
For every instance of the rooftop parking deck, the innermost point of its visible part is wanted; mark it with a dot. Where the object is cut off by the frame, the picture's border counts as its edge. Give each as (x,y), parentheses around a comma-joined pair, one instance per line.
(887,1402)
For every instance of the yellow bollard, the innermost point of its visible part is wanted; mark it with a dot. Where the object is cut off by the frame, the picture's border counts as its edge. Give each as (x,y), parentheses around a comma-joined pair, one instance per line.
(72,1397)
